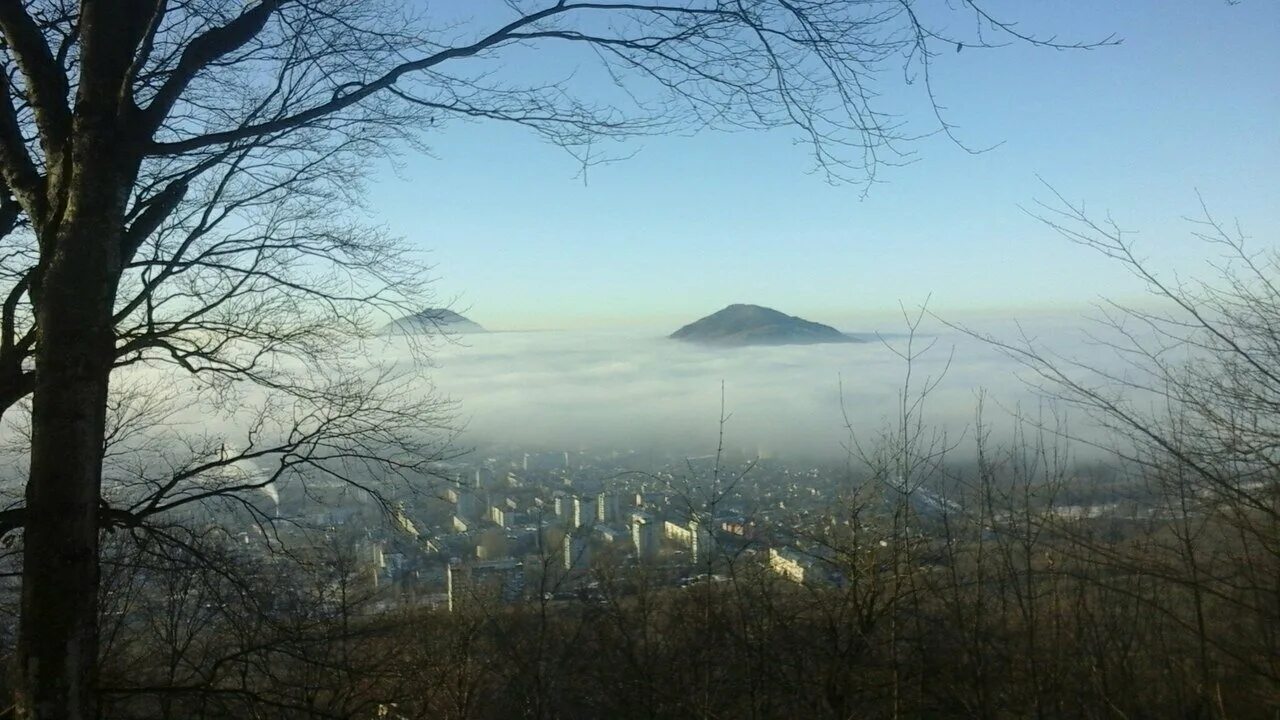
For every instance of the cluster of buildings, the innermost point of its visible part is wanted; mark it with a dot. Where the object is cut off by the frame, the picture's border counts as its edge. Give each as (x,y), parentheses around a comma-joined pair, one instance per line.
(515,526)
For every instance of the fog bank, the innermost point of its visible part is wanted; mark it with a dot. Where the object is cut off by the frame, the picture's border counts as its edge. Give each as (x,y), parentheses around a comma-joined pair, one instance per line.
(636,389)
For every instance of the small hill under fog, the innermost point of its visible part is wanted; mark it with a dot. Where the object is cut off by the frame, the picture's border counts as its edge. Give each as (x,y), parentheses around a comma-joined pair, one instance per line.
(741,325)
(432,320)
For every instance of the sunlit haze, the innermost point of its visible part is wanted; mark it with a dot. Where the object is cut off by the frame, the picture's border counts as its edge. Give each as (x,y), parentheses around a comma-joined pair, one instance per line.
(640,359)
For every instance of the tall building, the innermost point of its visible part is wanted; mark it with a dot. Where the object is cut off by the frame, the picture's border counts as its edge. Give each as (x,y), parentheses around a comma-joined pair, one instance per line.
(498,516)
(674,531)
(693,535)
(607,509)
(584,512)
(374,559)
(646,536)
(577,551)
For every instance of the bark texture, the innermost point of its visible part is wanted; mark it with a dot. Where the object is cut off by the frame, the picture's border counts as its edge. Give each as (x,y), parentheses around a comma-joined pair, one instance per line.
(91,169)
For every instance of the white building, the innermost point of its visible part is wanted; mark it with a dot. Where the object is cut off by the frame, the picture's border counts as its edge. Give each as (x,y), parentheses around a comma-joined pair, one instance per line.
(693,536)
(584,512)
(645,536)
(577,552)
(607,509)
(789,563)
(498,516)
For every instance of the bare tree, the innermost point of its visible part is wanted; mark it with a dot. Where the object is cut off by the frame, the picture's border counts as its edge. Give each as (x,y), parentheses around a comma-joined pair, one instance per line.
(120,116)
(1188,406)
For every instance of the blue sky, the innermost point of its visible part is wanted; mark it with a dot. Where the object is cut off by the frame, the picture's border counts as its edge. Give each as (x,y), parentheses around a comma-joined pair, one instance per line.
(1190,101)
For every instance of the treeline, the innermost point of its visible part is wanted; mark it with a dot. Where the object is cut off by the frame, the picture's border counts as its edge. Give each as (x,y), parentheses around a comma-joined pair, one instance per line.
(1012,582)
(1002,604)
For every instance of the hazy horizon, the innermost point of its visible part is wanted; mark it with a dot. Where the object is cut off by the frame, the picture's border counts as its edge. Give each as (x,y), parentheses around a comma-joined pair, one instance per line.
(633,388)
(887,317)
(687,224)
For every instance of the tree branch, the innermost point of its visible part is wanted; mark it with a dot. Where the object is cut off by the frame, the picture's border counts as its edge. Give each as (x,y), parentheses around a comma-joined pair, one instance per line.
(205,49)
(46,83)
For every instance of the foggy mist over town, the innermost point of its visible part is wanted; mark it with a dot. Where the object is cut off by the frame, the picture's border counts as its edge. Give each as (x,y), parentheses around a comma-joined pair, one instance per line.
(639,360)
(636,389)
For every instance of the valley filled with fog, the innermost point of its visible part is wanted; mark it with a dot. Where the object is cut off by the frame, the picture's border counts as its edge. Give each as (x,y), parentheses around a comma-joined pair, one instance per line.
(636,389)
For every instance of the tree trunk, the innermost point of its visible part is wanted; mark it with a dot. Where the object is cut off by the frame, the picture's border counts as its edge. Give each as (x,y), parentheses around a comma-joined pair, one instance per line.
(73,291)
(89,178)
(58,637)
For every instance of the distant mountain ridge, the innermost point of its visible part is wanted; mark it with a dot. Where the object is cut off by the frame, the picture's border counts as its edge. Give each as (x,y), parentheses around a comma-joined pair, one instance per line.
(741,325)
(432,320)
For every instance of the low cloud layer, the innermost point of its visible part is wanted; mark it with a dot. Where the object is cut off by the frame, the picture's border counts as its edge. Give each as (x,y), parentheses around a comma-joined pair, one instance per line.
(637,390)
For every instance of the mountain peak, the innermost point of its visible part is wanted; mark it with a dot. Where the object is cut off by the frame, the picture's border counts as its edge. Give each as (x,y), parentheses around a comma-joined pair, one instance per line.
(746,324)
(432,320)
